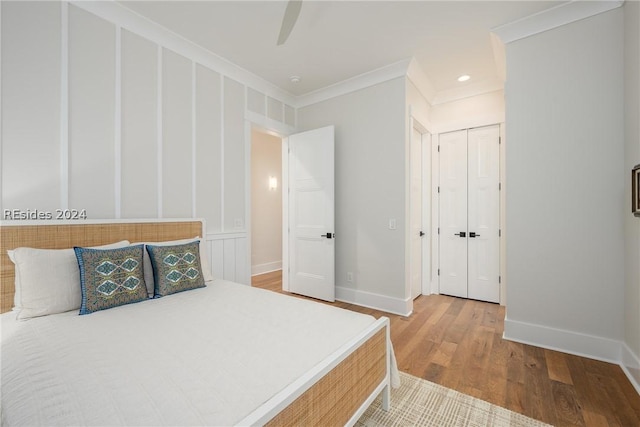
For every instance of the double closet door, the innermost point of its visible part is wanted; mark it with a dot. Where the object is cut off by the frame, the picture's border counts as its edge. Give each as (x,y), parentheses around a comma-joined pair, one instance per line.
(470,213)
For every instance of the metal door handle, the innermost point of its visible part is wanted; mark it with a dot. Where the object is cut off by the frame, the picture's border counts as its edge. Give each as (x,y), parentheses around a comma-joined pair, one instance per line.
(473,234)
(461,234)
(328,235)
(422,233)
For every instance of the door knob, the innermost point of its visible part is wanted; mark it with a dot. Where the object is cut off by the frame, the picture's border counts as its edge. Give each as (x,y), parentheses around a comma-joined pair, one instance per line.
(473,234)
(328,235)
(461,234)
(422,233)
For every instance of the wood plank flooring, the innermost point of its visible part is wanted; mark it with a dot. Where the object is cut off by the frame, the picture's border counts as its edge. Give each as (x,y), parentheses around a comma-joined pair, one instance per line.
(458,343)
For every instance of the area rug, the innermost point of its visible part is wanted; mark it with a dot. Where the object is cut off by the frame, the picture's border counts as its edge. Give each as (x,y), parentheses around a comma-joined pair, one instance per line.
(422,403)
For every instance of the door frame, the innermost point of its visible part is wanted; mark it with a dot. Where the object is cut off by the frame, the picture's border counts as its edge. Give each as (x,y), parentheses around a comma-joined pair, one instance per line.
(435,208)
(283,133)
(427,259)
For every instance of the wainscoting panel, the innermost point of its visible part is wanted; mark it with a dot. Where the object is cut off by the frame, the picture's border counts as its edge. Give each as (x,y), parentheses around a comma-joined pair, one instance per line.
(228,255)
(121,117)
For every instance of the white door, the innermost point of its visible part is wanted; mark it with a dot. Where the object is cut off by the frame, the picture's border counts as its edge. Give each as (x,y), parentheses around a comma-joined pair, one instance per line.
(426,213)
(470,213)
(484,218)
(415,220)
(310,227)
(453,213)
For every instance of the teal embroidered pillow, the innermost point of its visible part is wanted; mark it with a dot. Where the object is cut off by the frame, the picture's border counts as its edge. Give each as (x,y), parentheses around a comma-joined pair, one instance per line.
(110,277)
(176,268)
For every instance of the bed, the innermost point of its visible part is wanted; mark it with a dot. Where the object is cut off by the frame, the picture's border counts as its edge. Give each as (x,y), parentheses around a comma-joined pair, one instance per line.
(222,354)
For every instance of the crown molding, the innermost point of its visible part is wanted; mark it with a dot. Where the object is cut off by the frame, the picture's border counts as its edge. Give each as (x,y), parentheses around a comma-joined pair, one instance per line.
(468,90)
(123,17)
(416,74)
(370,78)
(557,16)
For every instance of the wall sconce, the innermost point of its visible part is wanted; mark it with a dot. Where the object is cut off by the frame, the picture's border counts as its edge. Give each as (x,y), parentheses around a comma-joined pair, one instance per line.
(273,183)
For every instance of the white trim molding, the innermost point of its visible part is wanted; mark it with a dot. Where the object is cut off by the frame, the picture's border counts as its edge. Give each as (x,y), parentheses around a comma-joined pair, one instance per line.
(555,17)
(117,124)
(579,344)
(417,76)
(267,267)
(400,306)
(64,105)
(370,78)
(119,14)
(584,345)
(631,366)
(228,256)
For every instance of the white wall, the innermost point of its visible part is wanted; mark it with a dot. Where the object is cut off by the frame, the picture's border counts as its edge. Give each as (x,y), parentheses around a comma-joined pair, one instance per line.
(478,110)
(565,193)
(631,355)
(370,183)
(105,111)
(31,143)
(266,204)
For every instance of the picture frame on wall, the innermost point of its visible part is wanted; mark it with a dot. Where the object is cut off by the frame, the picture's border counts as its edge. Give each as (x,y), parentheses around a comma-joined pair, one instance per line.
(635,190)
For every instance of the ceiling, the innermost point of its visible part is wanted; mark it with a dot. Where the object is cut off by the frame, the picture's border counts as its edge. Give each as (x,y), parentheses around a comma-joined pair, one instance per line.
(335,40)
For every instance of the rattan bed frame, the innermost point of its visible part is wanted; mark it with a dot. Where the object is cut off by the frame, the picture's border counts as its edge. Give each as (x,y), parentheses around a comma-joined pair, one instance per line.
(335,392)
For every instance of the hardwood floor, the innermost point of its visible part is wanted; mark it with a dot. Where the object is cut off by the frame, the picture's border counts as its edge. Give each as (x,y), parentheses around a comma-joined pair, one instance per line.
(458,343)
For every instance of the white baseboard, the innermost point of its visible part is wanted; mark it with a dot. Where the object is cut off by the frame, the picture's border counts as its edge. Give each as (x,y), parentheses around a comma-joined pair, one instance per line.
(570,342)
(266,267)
(584,345)
(631,366)
(403,307)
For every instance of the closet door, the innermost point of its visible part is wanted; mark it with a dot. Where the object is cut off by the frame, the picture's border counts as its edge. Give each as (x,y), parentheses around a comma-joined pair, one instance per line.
(453,213)
(470,213)
(483,198)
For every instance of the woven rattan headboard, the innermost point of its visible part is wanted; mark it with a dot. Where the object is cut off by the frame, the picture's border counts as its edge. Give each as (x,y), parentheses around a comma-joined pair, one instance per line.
(67,235)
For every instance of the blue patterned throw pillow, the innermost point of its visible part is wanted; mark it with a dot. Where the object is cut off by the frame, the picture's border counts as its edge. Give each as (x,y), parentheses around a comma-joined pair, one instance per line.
(110,277)
(176,268)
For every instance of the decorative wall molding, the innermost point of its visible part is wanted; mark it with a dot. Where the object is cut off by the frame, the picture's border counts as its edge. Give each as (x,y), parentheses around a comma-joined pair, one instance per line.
(117,124)
(222,114)
(558,16)
(126,18)
(194,139)
(64,105)
(402,307)
(227,253)
(159,134)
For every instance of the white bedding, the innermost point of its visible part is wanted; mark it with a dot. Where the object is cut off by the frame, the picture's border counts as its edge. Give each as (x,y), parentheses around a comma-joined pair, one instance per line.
(207,356)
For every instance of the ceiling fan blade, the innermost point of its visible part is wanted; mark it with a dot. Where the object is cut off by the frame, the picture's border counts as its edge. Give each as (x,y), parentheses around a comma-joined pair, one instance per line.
(291,14)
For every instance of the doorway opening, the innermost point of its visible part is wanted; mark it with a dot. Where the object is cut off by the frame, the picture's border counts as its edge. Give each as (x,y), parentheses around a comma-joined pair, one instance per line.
(420,228)
(266,202)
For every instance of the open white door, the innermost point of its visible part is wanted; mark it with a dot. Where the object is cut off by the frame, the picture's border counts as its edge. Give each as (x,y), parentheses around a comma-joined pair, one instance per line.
(309,234)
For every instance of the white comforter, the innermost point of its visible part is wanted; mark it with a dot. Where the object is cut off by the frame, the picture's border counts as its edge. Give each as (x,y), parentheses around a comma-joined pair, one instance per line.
(203,357)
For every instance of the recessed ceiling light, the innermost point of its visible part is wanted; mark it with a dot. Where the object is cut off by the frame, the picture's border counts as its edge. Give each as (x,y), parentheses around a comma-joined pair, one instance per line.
(295,79)
(464,78)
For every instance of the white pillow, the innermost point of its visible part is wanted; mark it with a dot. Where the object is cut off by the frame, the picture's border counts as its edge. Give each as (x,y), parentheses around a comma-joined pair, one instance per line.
(148,269)
(48,280)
